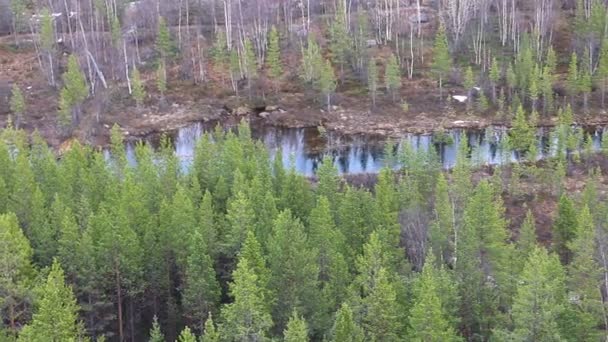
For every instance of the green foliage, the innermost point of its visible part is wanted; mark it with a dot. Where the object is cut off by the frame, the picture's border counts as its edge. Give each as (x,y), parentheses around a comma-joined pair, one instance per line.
(155,334)
(327,82)
(246,318)
(442,62)
(138,92)
(372,79)
(17,104)
(250,66)
(340,43)
(47,31)
(523,135)
(296,330)
(75,90)
(312,61)
(273,55)
(186,336)
(164,45)
(392,76)
(345,328)
(539,300)
(564,228)
(161,79)
(56,317)
(573,76)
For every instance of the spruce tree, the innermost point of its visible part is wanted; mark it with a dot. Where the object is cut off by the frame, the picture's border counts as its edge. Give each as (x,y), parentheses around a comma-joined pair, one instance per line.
(428,319)
(201,292)
(494,76)
(539,301)
(161,81)
(573,77)
(156,334)
(312,61)
(602,70)
(442,62)
(186,336)
(372,79)
(16,271)
(294,271)
(441,233)
(327,83)
(273,55)
(392,76)
(585,279)
(17,105)
(564,228)
(56,317)
(469,83)
(75,90)
(246,318)
(340,40)
(249,64)
(138,91)
(296,330)
(345,327)
(522,134)
(163,40)
(210,332)
(381,320)
(526,241)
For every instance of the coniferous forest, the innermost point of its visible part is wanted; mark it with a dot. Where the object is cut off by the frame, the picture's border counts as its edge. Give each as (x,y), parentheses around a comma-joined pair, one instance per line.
(239,248)
(101,244)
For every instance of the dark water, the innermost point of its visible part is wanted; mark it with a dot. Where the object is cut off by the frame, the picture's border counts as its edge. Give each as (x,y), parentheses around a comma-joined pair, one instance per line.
(304,148)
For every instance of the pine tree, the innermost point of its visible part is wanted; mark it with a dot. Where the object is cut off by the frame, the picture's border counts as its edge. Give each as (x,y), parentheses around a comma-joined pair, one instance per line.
(392,76)
(602,70)
(163,40)
(428,319)
(201,292)
(210,332)
(539,301)
(522,134)
(138,91)
(186,336)
(381,320)
(240,217)
(585,84)
(246,318)
(296,330)
(56,317)
(156,334)
(249,64)
(442,62)
(273,55)
(17,105)
(161,81)
(527,237)
(372,79)
(494,76)
(294,271)
(15,270)
(327,83)
(345,328)
(340,40)
(441,233)
(564,228)
(74,92)
(469,83)
(573,77)
(312,61)
(585,279)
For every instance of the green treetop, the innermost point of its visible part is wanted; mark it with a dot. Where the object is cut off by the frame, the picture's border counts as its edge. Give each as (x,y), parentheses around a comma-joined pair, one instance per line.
(74,92)
(15,269)
(564,228)
(296,330)
(210,332)
(156,334)
(372,79)
(17,104)
(392,76)
(345,328)
(163,39)
(327,82)
(273,55)
(573,76)
(138,91)
(442,62)
(186,336)
(56,317)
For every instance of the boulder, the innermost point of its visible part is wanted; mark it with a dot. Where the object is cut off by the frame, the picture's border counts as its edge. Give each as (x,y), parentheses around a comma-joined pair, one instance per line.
(272,108)
(264,115)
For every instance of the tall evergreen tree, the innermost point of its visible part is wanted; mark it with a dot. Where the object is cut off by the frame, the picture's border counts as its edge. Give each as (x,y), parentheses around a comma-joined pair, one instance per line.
(186,336)
(15,271)
(392,76)
(564,228)
(372,80)
(138,91)
(246,318)
(156,334)
(327,83)
(296,330)
(539,301)
(56,316)
(345,327)
(273,55)
(75,90)
(442,62)
(17,105)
